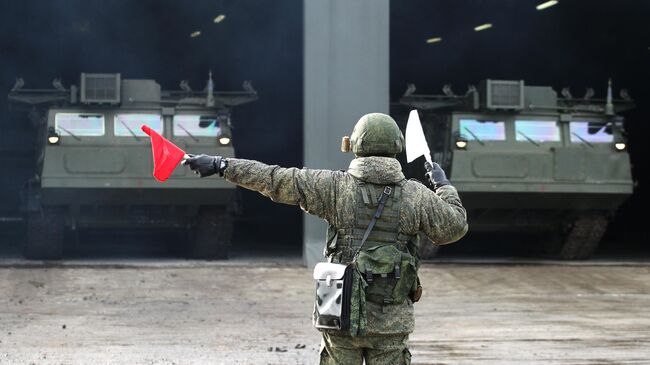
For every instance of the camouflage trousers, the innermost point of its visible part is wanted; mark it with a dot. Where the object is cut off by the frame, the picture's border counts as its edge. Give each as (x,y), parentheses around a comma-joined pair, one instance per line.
(375,350)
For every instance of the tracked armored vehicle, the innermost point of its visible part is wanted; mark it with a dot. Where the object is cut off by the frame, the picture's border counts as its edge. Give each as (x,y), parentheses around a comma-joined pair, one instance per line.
(525,159)
(94,164)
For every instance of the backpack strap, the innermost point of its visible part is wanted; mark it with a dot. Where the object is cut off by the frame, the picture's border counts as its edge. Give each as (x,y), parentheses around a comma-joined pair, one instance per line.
(380,208)
(330,243)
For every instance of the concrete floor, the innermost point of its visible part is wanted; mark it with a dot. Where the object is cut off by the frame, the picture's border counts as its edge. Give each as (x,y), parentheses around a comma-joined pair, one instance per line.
(258,312)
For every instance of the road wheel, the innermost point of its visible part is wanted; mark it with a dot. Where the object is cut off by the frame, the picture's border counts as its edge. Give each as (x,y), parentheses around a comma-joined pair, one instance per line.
(45,231)
(582,239)
(212,235)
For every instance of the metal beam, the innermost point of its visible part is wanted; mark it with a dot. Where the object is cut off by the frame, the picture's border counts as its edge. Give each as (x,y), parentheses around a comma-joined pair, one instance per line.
(346,65)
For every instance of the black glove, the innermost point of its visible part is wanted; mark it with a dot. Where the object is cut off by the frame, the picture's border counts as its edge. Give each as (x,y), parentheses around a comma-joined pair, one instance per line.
(436,175)
(205,165)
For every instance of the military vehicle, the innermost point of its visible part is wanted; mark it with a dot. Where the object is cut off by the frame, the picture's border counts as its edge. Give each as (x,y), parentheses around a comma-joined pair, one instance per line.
(94,164)
(524,158)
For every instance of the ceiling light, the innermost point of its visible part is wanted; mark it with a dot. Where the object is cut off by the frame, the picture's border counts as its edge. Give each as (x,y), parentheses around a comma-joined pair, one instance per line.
(620,146)
(219,18)
(434,40)
(483,27)
(546,4)
(195,34)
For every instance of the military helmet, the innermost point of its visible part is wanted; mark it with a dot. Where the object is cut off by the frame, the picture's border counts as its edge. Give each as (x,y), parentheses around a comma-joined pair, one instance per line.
(376,134)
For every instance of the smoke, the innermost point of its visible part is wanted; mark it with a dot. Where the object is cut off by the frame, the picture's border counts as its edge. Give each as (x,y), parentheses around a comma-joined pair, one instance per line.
(258,40)
(576,43)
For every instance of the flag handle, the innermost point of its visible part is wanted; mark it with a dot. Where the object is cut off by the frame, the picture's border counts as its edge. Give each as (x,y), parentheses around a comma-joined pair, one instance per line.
(427,157)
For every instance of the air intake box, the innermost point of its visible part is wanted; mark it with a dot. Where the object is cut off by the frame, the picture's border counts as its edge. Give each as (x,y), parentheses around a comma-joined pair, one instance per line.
(100,88)
(502,94)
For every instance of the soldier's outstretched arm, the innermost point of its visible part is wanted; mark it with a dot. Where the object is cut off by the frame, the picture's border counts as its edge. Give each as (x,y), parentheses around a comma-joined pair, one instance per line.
(312,190)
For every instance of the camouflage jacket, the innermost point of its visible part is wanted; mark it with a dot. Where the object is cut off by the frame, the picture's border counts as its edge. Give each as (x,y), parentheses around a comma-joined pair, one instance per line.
(331,195)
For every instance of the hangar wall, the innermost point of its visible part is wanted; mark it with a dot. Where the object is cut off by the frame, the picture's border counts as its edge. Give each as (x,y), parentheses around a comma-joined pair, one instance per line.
(346,65)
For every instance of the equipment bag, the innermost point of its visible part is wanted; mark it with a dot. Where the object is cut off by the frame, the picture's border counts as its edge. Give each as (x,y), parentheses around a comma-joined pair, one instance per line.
(391,274)
(334,283)
(333,290)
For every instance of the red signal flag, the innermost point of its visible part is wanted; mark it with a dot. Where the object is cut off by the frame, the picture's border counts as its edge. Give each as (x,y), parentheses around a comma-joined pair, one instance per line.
(166,155)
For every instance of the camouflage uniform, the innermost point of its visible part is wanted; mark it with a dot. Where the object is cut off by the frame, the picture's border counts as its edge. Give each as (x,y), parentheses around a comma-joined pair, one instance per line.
(332,195)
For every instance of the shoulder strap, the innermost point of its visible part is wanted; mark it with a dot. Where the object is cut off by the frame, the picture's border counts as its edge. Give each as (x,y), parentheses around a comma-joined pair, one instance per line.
(380,208)
(332,232)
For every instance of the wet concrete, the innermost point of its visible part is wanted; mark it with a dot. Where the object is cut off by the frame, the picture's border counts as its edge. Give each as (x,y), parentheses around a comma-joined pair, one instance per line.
(258,312)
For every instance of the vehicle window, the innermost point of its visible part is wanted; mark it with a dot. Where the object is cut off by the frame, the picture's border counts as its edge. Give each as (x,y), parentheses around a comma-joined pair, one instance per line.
(129,124)
(77,124)
(196,126)
(483,130)
(537,130)
(590,132)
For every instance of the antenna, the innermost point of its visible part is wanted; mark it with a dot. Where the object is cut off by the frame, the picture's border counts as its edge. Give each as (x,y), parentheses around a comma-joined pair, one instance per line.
(609,107)
(209,102)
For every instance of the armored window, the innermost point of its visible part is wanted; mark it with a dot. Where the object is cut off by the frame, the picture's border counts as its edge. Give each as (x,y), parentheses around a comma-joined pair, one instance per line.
(127,125)
(591,132)
(195,126)
(78,124)
(482,130)
(537,130)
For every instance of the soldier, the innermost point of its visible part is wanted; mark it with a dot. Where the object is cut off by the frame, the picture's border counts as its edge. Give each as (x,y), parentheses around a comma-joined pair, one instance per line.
(347,200)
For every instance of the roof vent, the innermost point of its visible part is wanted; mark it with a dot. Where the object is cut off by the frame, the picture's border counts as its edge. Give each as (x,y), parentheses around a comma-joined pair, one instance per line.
(100,88)
(502,94)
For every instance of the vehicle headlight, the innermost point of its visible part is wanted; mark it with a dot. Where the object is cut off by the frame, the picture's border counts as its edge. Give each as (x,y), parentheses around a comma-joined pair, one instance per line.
(461,142)
(620,146)
(224,137)
(224,141)
(52,136)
